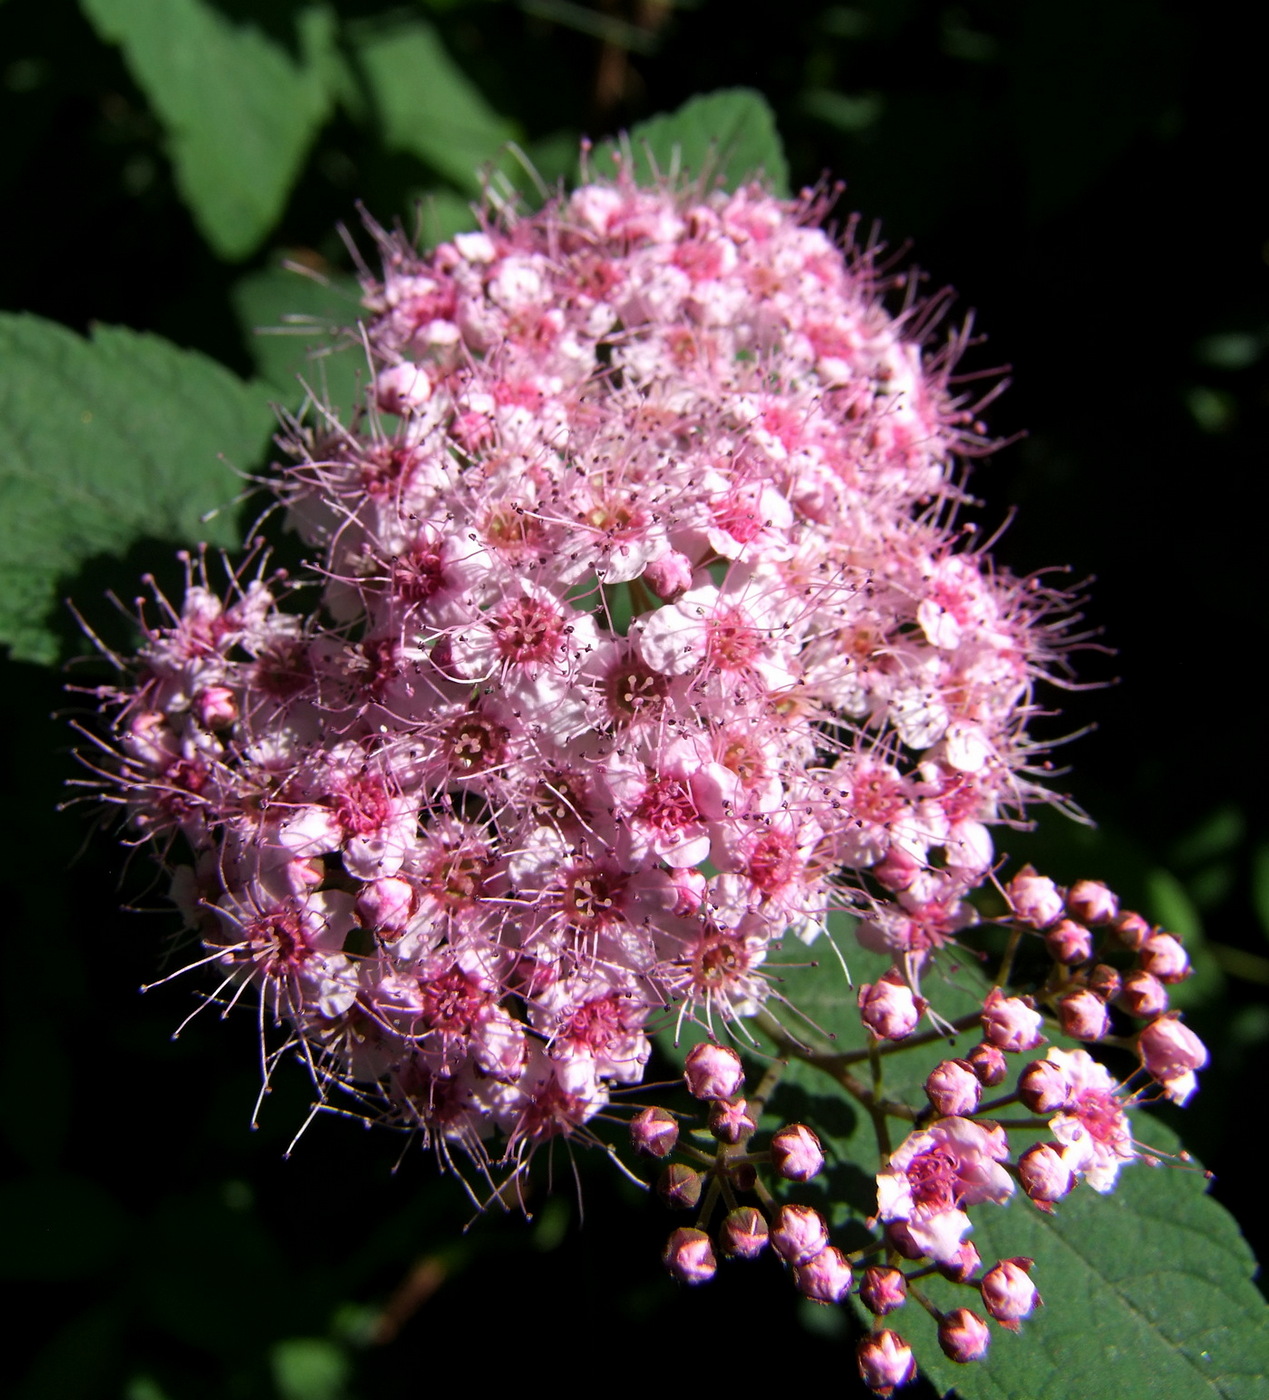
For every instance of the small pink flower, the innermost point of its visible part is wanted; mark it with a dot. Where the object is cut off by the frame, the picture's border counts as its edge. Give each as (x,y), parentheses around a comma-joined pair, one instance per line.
(938,1171)
(1092,1125)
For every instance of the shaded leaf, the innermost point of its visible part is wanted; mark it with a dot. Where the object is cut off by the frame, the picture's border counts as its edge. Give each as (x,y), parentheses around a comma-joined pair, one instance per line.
(103,442)
(427,105)
(239,111)
(729,135)
(58,1227)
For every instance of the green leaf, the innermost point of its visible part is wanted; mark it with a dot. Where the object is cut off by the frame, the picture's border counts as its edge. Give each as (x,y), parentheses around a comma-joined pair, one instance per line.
(1149,1290)
(58,1227)
(309,1368)
(239,111)
(102,443)
(729,135)
(427,106)
(1148,1294)
(297,329)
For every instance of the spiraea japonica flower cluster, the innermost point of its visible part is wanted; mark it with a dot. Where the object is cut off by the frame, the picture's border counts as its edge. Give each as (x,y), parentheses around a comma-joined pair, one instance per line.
(640,633)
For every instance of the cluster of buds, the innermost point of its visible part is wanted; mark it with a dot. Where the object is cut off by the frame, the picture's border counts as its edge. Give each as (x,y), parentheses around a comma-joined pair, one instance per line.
(641,640)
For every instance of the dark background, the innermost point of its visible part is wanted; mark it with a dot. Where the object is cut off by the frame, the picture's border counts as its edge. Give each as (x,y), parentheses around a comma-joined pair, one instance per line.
(1089,177)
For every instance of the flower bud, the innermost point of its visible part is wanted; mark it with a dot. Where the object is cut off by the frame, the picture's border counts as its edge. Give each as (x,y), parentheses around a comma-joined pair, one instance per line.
(654,1132)
(900,1239)
(1104,981)
(889,1007)
(216,707)
(798,1234)
(713,1071)
(885,1361)
(1011,1023)
(744,1233)
(669,575)
(730,1120)
(1034,899)
(825,1278)
(989,1065)
(679,1187)
(882,1290)
(1083,1015)
(796,1153)
(1163,957)
(385,905)
(1008,1294)
(964,1337)
(953,1089)
(1044,1086)
(962,1264)
(896,870)
(689,1256)
(1143,995)
(1131,930)
(1171,1053)
(1092,903)
(402,389)
(1069,943)
(1044,1175)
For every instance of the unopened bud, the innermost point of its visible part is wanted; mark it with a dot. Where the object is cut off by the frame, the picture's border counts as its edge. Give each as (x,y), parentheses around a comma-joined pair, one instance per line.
(1104,981)
(1163,957)
(1131,930)
(1171,1053)
(1069,943)
(899,1237)
(669,575)
(964,1337)
(796,1153)
(962,1264)
(744,1233)
(953,1089)
(679,1187)
(654,1132)
(882,1290)
(1011,1023)
(1045,1086)
(402,389)
(889,1007)
(689,1256)
(885,1361)
(216,707)
(798,1233)
(713,1071)
(1143,995)
(1034,899)
(1092,903)
(989,1065)
(1008,1294)
(730,1120)
(385,905)
(1044,1175)
(1083,1015)
(825,1278)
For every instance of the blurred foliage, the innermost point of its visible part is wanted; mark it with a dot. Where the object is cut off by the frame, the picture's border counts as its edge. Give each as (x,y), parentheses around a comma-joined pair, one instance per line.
(1084,171)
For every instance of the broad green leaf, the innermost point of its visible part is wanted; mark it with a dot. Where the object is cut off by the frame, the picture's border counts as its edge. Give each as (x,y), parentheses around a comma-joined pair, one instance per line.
(728,135)
(299,331)
(103,442)
(309,1368)
(1148,1293)
(427,106)
(239,111)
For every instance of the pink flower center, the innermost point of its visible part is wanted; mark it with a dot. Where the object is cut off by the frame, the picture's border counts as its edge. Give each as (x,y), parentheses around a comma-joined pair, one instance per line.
(416,576)
(667,805)
(590,897)
(732,640)
(473,743)
(278,941)
(632,689)
(528,630)
(361,806)
(452,1003)
(773,862)
(932,1180)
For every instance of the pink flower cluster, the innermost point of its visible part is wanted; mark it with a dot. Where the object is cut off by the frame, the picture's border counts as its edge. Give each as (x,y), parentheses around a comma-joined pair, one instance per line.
(645,637)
